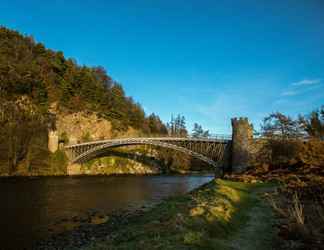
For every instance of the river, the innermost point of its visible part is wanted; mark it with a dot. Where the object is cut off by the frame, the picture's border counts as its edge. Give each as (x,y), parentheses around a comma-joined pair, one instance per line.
(30,206)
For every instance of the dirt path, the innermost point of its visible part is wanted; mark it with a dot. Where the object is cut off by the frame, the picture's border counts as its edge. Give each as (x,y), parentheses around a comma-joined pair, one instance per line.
(258,232)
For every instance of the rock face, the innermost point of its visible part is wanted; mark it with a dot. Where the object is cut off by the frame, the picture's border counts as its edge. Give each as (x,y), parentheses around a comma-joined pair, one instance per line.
(74,169)
(242,137)
(113,165)
(82,126)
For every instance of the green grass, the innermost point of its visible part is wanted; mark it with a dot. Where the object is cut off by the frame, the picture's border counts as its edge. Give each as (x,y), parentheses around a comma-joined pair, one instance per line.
(219,215)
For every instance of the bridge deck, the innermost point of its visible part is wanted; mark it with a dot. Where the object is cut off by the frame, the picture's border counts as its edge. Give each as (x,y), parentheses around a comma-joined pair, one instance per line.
(210,150)
(224,139)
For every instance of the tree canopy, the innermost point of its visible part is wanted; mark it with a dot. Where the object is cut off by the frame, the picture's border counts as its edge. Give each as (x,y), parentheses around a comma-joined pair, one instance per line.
(313,123)
(27,68)
(278,125)
(198,131)
(177,126)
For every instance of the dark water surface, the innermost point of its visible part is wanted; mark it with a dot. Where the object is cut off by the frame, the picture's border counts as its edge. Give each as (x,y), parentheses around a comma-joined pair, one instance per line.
(30,205)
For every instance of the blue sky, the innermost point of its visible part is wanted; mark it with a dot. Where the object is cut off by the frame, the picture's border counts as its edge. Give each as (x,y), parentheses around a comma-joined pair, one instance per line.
(208,60)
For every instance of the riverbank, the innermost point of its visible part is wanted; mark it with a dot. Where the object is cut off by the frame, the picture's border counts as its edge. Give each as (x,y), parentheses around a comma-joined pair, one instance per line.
(183,173)
(218,215)
(70,211)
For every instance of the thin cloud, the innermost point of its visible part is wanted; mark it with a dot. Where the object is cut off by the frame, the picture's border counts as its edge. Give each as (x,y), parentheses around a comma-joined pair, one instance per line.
(301,87)
(306,82)
(289,93)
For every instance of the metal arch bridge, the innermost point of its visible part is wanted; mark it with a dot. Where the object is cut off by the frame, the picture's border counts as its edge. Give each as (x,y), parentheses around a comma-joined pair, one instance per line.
(209,150)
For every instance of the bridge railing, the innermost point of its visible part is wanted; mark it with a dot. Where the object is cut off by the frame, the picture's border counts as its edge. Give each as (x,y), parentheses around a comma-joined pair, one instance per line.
(211,136)
(218,137)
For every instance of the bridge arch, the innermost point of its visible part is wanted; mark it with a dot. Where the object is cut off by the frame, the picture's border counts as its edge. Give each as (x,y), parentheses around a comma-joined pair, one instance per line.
(97,151)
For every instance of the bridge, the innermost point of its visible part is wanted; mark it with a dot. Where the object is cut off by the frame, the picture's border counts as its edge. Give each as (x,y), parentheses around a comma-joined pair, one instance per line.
(234,149)
(211,150)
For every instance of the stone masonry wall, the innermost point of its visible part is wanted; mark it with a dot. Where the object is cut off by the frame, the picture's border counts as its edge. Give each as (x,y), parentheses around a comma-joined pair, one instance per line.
(242,138)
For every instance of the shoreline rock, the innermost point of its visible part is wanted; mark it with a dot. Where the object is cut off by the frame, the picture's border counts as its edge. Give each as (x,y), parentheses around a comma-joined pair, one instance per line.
(95,225)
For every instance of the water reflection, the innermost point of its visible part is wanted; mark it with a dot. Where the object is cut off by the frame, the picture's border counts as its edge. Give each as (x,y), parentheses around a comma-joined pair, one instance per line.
(30,206)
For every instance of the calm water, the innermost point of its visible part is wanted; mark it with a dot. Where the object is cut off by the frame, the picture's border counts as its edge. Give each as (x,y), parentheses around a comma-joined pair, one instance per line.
(30,205)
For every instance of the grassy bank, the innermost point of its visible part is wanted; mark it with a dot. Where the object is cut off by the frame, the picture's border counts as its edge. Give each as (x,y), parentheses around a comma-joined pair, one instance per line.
(219,215)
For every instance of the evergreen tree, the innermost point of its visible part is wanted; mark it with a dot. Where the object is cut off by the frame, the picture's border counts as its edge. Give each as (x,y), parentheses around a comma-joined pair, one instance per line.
(177,126)
(199,132)
(29,69)
(278,125)
(313,124)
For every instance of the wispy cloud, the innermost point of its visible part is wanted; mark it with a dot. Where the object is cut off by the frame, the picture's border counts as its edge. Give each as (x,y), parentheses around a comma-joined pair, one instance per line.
(306,82)
(289,93)
(301,87)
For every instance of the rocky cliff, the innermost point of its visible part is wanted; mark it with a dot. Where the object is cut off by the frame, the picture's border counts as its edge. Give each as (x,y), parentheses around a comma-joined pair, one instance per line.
(85,126)
(115,165)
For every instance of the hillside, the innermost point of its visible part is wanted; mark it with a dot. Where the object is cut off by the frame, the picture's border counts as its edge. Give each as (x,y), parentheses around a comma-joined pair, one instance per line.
(41,89)
(27,68)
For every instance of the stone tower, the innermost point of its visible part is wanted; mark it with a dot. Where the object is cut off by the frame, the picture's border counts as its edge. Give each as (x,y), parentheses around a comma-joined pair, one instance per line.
(52,141)
(242,137)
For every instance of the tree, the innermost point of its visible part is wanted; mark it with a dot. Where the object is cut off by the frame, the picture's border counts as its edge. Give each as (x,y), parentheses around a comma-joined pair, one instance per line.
(30,69)
(156,126)
(313,124)
(182,126)
(282,144)
(199,132)
(20,120)
(177,126)
(280,126)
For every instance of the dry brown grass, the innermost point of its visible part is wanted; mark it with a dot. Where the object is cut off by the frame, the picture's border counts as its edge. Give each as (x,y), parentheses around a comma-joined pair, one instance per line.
(299,200)
(301,216)
(297,210)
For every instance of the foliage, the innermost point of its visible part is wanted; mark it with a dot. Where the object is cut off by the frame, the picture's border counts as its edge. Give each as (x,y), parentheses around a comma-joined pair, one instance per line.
(313,123)
(28,68)
(312,153)
(199,132)
(280,126)
(20,121)
(177,126)
(285,143)
(155,125)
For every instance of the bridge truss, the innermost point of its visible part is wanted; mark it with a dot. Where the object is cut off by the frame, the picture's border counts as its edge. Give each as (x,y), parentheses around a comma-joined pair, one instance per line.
(210,150)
